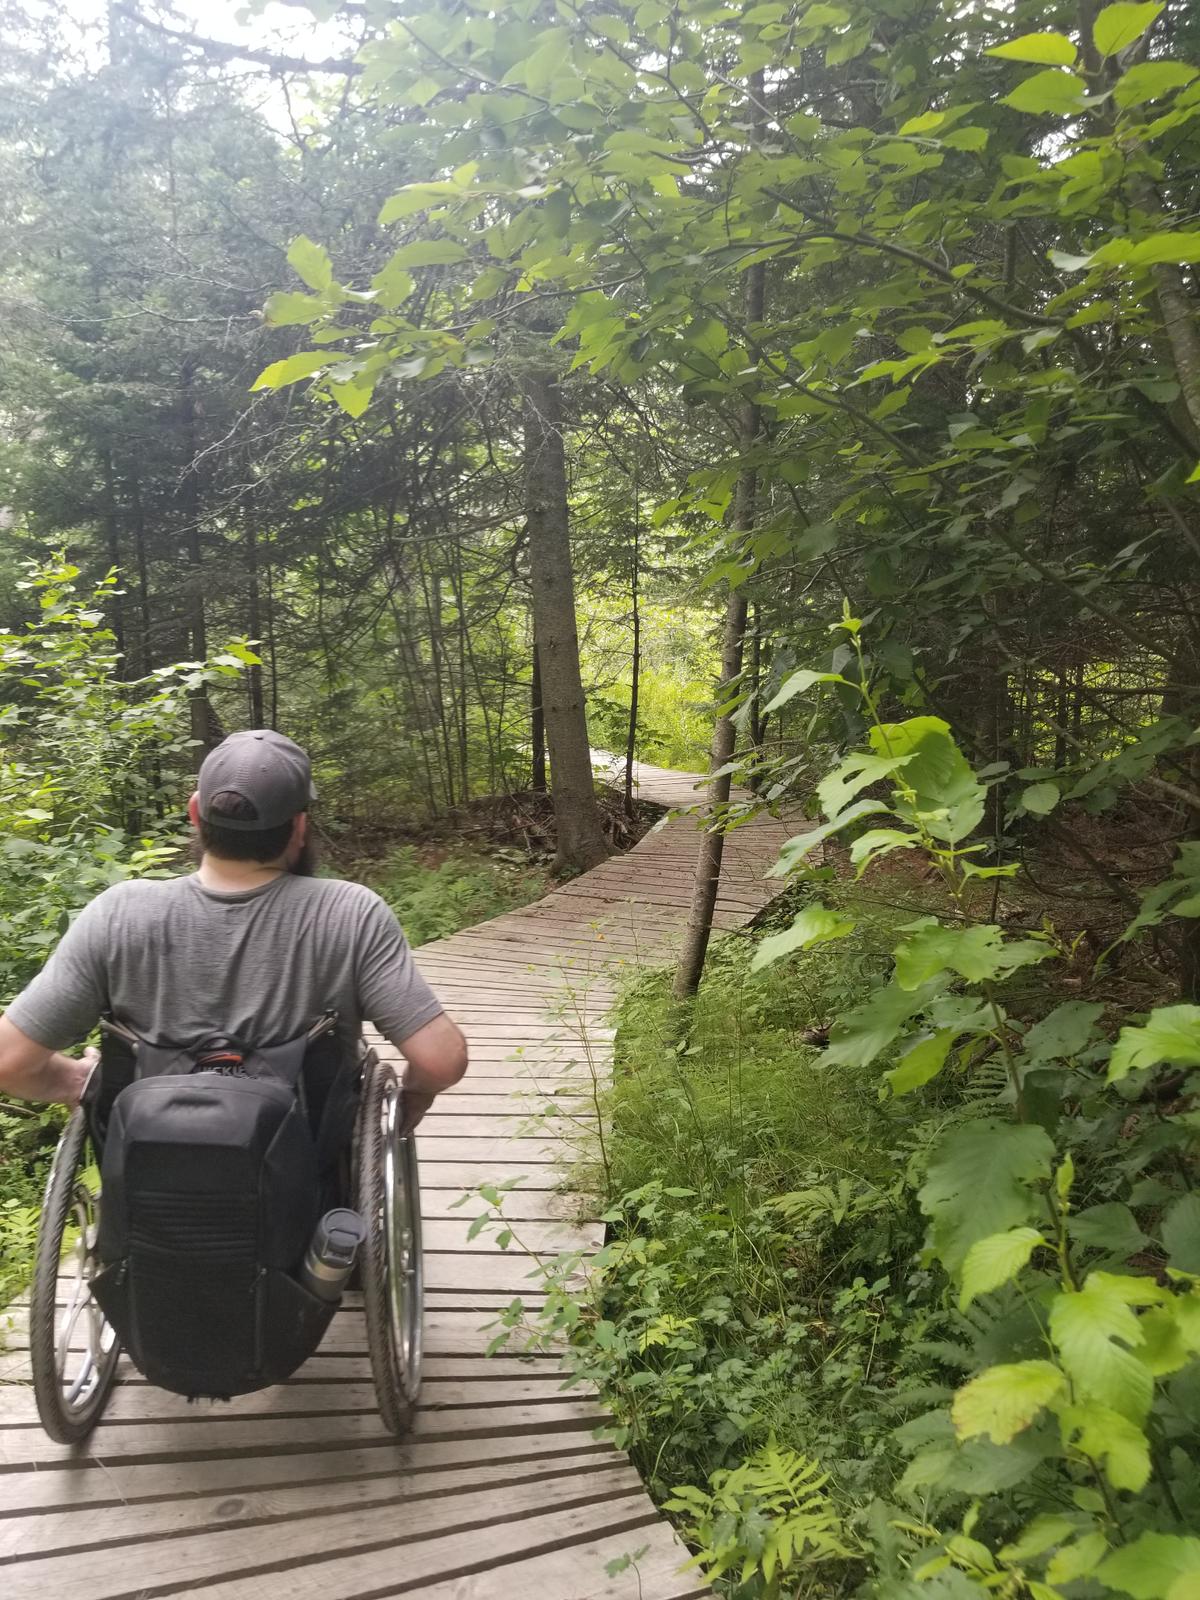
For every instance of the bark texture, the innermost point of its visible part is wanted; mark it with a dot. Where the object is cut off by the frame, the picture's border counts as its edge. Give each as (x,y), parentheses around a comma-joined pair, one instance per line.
(712,845)
(581,842)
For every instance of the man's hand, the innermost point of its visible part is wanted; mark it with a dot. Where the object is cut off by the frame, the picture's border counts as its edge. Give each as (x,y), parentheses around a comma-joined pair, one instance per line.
(413,1106)
(75,1075)
(436,1057)
(31,1072)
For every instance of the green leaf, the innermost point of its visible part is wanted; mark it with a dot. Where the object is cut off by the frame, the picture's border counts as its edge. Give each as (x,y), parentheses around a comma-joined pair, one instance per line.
(280,373)
(428,253)
(814,925)
(1150,80)
(921,1062)
(1044,49)
(925,123)
(1042,1534)
(1171,1035)
(1111,1439)
(1111,1227)
(979,1181)
(393,285)
(1055,92)
(796,849)
(966,139)
(1157,249)
(1064,1032)
(1093,1328)
(996,1260)
(1040,798)
(1121,24)
(859,1036)
(796,683)
(1149,1566)
(311,263)
(949,797)
(1194,476)
(289,310)
(977,954)
(353,398)
(1002,1401)
(1181,1233)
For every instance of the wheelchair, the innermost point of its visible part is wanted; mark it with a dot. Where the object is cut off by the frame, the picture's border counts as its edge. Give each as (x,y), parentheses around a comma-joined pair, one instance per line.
(74,1350)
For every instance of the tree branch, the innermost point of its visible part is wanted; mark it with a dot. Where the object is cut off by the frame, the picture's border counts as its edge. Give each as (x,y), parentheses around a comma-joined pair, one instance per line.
(217,50)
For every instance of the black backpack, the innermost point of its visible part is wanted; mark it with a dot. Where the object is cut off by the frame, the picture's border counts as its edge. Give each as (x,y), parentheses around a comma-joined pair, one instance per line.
(214,1173)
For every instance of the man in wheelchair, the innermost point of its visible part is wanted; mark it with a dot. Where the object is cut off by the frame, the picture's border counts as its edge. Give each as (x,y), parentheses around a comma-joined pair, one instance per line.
(232,1103)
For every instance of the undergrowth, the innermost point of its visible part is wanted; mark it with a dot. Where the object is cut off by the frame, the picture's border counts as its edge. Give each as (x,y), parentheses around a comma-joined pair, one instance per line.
(466,886)
(764,1287)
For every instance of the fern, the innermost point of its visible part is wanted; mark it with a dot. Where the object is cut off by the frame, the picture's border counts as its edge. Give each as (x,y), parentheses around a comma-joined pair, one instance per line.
(770,1515)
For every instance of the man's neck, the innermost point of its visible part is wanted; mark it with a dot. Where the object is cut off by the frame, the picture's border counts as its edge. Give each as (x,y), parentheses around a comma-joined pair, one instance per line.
(234,877)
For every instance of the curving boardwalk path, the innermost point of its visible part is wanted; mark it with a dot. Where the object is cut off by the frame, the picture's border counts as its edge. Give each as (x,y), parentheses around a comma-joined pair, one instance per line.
(500,1492)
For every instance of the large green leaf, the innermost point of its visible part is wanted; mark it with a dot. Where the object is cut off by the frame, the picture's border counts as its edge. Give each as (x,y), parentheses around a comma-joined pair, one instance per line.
(1064,1032)
(796,683)
(1177,248)
(1002,1401)
(921,1062)
(1111,1439)
(949,799)
(280,373)
(428,253)
(996,1260)
(1150,80)
(979,1184)
(1121,24)
(814,925)
(1181,1233)
(1094,1330)
(1149,1565)
(978,954)
(859,1036)
(1111,1227)
(1040,798)
(1044,49)
(1053,92)
(1172,1035)
(290,310)
(310,262)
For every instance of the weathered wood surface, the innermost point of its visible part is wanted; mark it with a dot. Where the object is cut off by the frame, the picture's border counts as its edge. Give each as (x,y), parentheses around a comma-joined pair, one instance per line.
(501,1490)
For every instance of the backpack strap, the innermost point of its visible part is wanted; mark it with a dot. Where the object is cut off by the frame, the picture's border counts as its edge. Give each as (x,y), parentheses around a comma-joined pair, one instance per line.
(340,1109)
(283,1062)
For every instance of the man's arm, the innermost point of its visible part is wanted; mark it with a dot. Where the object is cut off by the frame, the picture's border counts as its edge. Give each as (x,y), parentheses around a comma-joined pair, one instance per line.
(437,1059)
(32,1072)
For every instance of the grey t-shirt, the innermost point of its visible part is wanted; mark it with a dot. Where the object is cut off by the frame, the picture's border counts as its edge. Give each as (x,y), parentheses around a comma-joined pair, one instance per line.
(178,962)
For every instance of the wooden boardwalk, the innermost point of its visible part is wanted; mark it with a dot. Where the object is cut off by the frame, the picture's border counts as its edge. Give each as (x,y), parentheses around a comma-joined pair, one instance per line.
(501,1492)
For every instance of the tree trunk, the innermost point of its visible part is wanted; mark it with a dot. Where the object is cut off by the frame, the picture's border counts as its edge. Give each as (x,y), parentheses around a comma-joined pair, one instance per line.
(537,727)
(254,675)
(138,521)
(636,660)
(581,842)
(204,729)
(112,540)
(712,844)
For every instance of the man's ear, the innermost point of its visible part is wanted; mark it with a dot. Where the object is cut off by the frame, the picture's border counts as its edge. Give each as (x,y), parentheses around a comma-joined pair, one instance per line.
(299,829)
(194,810)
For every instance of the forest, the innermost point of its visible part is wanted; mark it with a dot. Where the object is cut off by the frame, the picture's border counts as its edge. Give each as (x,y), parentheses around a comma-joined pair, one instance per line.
(801,393)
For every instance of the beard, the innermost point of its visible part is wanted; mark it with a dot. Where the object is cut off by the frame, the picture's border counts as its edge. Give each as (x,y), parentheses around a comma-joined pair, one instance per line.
(306,861)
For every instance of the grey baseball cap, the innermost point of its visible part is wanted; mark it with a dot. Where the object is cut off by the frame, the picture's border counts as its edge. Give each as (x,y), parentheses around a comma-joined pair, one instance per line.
(265,768)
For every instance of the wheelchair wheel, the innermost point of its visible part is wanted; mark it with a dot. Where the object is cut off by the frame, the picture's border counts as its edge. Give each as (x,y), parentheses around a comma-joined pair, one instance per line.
(392,1281)
(73,1349)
